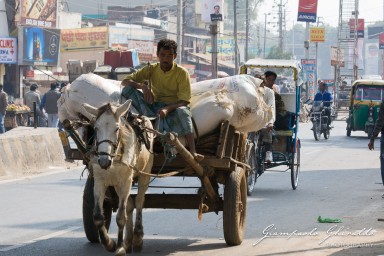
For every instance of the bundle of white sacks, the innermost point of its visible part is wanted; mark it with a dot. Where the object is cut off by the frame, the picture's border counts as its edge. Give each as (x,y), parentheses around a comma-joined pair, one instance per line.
(238,99)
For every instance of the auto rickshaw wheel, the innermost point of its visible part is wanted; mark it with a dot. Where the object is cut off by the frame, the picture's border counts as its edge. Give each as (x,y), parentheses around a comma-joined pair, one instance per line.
(235,207)
(349,132)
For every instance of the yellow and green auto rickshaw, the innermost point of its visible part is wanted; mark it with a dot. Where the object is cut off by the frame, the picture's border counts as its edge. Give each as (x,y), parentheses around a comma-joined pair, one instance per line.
(366,96)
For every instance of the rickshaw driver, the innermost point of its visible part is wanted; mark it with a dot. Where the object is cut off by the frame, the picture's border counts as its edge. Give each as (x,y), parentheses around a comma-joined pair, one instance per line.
(167,95)
(326,98)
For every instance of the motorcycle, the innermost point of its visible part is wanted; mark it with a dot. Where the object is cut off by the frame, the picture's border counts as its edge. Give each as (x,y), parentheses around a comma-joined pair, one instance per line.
(320,119)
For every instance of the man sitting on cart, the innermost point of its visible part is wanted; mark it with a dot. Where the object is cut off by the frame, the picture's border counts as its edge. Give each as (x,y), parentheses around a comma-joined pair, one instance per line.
(325,98)
(166,93)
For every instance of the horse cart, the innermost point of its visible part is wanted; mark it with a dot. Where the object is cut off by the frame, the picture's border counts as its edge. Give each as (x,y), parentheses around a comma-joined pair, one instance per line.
(225,163)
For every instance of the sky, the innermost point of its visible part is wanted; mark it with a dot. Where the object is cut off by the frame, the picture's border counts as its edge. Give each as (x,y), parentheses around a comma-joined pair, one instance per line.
(370,10)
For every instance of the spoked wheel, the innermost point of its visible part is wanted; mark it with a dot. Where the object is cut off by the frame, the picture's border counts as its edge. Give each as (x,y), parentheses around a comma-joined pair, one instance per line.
(235,207)
(316,130)
(88,205)
(251,179)
(295,166)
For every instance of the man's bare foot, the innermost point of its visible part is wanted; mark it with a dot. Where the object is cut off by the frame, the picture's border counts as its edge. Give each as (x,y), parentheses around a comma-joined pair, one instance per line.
(198,157)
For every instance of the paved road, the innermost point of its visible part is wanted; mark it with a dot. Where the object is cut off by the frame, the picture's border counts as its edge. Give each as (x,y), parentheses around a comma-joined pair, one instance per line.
(339,178)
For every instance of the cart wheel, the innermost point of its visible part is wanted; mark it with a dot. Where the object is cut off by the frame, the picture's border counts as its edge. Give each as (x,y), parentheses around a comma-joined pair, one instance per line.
(251,179)
(88,205)
(316,130)
(295,166)
(235,207)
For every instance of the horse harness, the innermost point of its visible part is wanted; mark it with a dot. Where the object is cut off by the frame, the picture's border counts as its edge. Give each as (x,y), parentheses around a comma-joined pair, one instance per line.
(137,123)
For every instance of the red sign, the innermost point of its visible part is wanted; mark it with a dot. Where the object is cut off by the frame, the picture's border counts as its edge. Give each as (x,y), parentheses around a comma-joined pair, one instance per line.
(307,10)
(381,41)
(360,28)
(30,73)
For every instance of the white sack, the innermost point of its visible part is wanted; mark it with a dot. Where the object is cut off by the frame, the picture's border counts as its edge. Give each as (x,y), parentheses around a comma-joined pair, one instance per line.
(238,99)
(87,88)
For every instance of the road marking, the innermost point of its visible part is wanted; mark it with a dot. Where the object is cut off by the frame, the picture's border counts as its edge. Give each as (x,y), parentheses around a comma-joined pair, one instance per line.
(46,237)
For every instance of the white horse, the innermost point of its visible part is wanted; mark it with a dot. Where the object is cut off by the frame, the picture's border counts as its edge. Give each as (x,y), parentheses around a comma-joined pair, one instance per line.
(117,159)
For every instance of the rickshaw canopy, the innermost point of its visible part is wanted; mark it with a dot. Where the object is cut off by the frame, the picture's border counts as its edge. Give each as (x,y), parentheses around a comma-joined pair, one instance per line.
(274,63)
(367,90)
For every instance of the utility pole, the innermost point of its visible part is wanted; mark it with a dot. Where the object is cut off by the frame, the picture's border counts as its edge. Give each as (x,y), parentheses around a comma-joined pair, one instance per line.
(178,36)
(235,35)
(182,29)
(246,30)
(281,25)
(265,32)
(213,29)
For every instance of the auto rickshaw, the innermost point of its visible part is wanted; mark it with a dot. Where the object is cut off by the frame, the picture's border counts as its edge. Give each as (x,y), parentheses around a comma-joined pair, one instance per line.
(365,99)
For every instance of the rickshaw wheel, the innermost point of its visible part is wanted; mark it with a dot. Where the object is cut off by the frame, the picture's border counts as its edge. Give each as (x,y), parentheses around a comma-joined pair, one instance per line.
(316,130)
(295,166)
(251,179)
(235,207)
(88,205)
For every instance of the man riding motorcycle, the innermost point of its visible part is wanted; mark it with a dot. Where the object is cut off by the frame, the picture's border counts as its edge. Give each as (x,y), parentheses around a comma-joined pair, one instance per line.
(325,99)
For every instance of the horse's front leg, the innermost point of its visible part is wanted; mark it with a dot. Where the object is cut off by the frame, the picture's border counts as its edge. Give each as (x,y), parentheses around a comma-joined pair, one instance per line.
(138,233)
(98,216)
(123,192)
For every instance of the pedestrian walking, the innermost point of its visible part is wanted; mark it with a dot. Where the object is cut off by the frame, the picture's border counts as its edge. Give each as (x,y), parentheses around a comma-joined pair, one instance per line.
(49,104)
(3,108)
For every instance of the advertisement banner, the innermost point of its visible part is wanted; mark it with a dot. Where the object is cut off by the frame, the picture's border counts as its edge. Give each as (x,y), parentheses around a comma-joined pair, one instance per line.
(40,46)
(225,48)
(307,10)
(360,28)
(38,13)
(337,57)
(317,35)
(8,50)
(212,10)
(381,41)
(309,70)
(371,59)
(84,39)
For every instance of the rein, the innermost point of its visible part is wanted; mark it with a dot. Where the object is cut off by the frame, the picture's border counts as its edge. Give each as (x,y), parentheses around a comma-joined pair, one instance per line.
(114,145)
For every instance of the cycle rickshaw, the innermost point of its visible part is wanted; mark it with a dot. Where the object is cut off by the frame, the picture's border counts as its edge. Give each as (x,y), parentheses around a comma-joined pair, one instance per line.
(286,144)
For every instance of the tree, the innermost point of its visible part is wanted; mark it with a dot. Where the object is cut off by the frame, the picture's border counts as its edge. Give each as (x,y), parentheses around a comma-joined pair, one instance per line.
(278,53)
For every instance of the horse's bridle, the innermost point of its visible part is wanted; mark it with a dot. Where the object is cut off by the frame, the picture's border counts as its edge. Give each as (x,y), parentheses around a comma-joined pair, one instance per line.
(115,146)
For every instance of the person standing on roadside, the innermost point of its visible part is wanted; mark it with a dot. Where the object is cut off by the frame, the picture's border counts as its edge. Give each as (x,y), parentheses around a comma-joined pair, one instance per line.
(379,127)
(3,108)
(49,103)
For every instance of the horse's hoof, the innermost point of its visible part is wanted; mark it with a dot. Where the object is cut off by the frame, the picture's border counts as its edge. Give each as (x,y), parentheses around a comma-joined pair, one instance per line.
(110,246)
(120,252)
(138,247)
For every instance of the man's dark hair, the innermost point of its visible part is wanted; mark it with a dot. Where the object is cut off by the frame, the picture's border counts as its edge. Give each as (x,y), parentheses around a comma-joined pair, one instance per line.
(167,44)
(33,87)
(270,73)
(216,6)
(53,86)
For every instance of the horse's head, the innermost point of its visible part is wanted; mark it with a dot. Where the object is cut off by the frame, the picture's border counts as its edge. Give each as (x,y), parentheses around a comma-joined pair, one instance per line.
(107,126)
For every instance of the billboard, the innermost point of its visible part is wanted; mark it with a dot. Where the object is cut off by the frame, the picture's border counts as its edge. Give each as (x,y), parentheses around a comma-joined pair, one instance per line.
(309,72)
(38,13)
(8,50)
(212,10)
(40,46)
(84,39)
(337,56)
(133,37)
(317,34)
(307,10)
(360,28)
(371,58)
